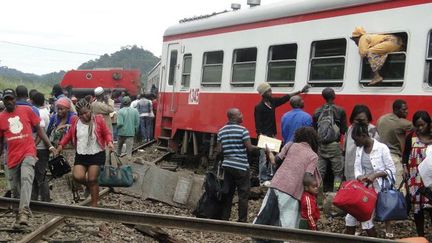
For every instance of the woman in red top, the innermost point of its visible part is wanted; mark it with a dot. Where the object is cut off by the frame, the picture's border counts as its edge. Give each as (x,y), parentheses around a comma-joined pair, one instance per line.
(89,135)
(414,154)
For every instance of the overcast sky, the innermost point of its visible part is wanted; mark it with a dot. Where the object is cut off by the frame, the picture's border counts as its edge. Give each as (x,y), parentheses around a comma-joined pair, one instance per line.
(88,26)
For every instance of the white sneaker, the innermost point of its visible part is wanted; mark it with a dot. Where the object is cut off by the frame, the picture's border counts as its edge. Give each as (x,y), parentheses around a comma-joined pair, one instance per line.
(266,183)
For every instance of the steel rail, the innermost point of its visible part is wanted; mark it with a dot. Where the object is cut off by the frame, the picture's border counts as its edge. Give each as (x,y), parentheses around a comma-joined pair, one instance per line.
(139,146)
(188,223)
(50,226)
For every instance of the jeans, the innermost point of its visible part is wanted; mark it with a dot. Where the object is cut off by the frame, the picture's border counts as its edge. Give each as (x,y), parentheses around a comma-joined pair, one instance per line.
(115,133)
(21,178)
(266,170)
(240,179)
(129,141)
(146,128)
(40,183)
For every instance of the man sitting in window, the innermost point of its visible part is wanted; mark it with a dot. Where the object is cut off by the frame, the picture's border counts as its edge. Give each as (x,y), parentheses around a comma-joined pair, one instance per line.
(375,48)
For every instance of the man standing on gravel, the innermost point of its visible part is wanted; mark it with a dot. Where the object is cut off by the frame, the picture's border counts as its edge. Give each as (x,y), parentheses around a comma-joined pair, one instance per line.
(16,124)
(127,126)
(234,141)
(265,124)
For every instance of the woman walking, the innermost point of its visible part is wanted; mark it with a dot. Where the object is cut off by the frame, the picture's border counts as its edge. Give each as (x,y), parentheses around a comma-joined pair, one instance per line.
(372,162)
(414,154)
(359,114)
(89,135)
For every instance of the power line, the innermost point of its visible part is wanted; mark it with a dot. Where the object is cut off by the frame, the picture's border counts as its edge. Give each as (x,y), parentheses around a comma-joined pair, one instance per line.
(50,49)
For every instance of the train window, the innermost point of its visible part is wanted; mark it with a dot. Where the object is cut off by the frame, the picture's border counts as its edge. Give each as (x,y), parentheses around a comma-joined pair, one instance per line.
(393,70)
(281,65)
(327,63)
(212,68)
(172,67)
(429,61)
(187,64)
(243,69)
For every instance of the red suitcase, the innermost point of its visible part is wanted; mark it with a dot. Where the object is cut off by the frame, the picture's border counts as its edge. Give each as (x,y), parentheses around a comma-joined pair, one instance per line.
(356,199)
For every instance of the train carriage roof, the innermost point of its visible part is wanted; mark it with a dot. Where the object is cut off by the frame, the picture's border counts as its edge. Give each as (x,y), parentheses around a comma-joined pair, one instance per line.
(261,13)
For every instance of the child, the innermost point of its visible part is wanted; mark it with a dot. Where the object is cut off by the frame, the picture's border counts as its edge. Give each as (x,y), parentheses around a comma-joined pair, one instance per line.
(309,213)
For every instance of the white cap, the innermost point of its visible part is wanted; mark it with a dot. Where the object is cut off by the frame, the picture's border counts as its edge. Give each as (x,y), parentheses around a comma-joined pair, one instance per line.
(98,91)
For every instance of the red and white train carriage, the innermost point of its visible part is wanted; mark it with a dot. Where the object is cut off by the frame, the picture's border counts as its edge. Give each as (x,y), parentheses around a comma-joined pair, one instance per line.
(212,64)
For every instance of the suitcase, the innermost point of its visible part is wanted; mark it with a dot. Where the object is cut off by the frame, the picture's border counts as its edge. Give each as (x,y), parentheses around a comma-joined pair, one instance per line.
(356,199)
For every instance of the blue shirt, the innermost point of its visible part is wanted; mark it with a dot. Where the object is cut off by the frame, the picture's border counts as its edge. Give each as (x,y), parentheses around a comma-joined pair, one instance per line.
(25,103)
(232,137)
(293,120)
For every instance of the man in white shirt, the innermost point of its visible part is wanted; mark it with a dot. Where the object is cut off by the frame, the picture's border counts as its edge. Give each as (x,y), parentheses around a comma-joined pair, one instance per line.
(40,184)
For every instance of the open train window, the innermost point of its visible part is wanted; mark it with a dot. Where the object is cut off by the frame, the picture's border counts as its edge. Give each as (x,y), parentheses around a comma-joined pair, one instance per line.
(327,63)
(187,65)
(172,67)
(281,65)
(429,61)
(212,68)
(393,70)
(243,68)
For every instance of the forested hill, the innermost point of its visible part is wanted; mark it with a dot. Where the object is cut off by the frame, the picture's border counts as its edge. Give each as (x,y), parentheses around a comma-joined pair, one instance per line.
(128,57)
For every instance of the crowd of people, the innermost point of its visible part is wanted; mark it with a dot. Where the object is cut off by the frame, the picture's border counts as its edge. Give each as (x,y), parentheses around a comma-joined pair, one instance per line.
(31,130)
(312,142)
(34,130)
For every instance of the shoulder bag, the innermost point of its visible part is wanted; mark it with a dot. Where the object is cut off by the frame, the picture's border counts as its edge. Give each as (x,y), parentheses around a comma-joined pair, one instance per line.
(115,176)
(391,203)
(58,166)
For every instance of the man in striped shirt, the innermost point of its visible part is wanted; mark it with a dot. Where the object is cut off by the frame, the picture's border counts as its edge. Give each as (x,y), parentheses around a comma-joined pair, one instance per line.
(234,141)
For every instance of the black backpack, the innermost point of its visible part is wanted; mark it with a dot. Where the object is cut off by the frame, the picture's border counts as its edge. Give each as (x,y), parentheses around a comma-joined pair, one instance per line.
(210,204)
(328,131)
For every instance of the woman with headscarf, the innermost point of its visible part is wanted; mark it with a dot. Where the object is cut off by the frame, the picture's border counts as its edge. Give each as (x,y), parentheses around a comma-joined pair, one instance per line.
(60,121)
(375,48)
(90,136)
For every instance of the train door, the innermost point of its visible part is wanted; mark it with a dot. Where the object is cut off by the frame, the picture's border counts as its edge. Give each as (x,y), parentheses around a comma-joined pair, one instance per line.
(173,74)
(170,83)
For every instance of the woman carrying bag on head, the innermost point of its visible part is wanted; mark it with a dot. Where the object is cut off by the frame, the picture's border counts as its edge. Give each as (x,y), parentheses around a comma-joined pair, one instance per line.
(372,162)
(89,135)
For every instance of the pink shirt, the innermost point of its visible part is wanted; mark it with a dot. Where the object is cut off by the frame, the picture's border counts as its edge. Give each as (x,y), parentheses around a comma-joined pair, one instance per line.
(298,158)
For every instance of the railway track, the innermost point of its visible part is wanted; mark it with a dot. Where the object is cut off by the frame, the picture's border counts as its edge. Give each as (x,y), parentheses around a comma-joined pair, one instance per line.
(50,225)
(188,223)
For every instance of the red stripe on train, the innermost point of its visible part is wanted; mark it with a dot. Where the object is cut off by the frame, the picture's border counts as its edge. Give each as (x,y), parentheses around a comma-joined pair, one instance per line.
(210,114)
(302,18)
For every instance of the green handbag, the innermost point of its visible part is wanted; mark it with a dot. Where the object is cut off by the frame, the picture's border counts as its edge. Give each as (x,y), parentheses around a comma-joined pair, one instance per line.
(115,176)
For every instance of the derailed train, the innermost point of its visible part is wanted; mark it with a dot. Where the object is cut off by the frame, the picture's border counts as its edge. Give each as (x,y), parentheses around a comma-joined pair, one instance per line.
(215,63)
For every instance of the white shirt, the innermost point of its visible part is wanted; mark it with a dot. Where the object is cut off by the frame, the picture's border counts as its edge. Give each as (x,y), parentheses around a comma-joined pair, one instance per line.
(380,159)
(84,146)
(134,103)
(45,118)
